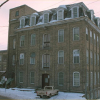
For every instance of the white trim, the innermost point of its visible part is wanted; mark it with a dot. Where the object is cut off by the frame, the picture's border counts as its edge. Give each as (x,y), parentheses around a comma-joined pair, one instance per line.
(62,14)
(63,79)
(73,78)
(43,17)
(31,20)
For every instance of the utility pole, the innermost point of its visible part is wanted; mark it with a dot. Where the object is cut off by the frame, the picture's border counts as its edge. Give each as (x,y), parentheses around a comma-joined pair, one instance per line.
(4,3)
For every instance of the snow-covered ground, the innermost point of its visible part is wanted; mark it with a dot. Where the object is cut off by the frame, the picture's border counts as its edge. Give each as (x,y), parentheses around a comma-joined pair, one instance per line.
(17,93)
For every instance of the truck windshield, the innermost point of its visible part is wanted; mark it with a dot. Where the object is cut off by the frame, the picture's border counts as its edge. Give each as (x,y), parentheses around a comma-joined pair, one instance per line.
(48,87)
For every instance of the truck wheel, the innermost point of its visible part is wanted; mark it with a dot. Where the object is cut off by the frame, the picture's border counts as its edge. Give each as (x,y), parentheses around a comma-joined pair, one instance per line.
(49,96)
(40,96)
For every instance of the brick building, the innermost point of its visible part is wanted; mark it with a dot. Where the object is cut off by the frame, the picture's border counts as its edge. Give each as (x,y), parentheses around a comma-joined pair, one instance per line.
(58,47)
(3,62)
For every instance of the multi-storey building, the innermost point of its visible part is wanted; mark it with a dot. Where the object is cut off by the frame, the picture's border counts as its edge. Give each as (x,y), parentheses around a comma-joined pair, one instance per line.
(58,47)
(3,62)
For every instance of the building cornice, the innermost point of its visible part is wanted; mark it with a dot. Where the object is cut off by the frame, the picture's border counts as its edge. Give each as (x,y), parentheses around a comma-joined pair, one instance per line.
(59,23)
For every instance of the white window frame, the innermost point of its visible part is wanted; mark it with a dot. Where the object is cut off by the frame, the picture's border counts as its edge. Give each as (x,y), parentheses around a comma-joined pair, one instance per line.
(62,14)
(21,58)
(19,77)
(91,40)
(72,14)
(32,58)
(63,56)
(48,17)
(87,34)
(91,57)
(78,80)
(76,54)
(31,78)
(95,78)
(31,20)
(94,58)
(33,39)
(74,33)
(62,79)
(58,35)
(14,43)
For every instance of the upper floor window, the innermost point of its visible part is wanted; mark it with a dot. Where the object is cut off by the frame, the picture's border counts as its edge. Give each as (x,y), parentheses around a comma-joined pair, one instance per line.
(32,77)
(76,79)
(98,59)
(21,61)
(33,39)
(91,78)
(13,60)
(46,40)
(22,40)
(17,13)
(61,35)
(26,21)
(91,36)
(32,58)
(46,18)
(76,56)
(91,57)
(94,58)
(76,33)
(95,78)
(87,78)
(60,79)
(46,61)
(61,57)
(87,57)
(20,77)
(0,58)
(87,34)
(98,77)
(14,43)
(97,41)
(94,39)
(32,20)
(60,15)
(22,22)
(75,12)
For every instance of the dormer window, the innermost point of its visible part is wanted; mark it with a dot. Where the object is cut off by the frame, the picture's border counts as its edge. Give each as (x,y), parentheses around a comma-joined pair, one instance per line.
(46,18)
(26,21)
(22,22)
(60,15)
(92,15)
(75,12)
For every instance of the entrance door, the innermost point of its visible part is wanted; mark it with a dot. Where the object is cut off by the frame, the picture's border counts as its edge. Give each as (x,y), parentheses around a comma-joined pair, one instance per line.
(45,80)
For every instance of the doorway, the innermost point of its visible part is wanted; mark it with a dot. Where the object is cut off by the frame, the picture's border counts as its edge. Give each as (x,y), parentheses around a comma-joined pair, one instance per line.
(45,80)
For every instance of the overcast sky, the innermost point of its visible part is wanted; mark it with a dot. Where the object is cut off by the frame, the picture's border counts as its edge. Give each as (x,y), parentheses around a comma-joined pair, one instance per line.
(38,5)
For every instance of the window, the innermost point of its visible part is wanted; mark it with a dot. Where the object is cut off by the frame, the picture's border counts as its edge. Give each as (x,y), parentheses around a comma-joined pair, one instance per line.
(97,41)
(46,40)
(75,12)
(0,58)
(32,77)
(46,18)
(87,34)
(61,35)
(87,78)
(13,60)
(76,56)
(61,79)
(14,43)
(95,78)
(17,13)
(33,20)
(32,58)
(60,15)
(22,40)
(76,79)
(98,59)
(87,57)
(76,33)
(91,36)
(98,77)
(94,58)
(21,58)
(91,78)
(33,39)
(46,61)
(91,56)
(94,39)
(22,22)
(21,77)
(26,21)
(61,57)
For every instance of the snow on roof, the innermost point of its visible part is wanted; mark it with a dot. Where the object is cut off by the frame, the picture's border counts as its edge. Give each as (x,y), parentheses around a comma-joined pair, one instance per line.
(63,6)
(36,13)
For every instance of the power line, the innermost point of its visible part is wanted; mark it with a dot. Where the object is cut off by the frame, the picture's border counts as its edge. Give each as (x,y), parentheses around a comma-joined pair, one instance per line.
(4,3)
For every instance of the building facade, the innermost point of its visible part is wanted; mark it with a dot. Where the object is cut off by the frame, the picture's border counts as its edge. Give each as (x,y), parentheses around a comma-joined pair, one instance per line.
(58,47)
(3,62)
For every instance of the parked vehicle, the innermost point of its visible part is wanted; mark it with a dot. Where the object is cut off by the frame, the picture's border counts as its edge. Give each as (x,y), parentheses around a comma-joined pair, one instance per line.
(47,91)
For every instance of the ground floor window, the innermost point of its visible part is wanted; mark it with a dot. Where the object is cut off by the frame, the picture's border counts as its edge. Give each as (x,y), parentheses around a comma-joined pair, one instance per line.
(60,79)
(31,77)
(21,77)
